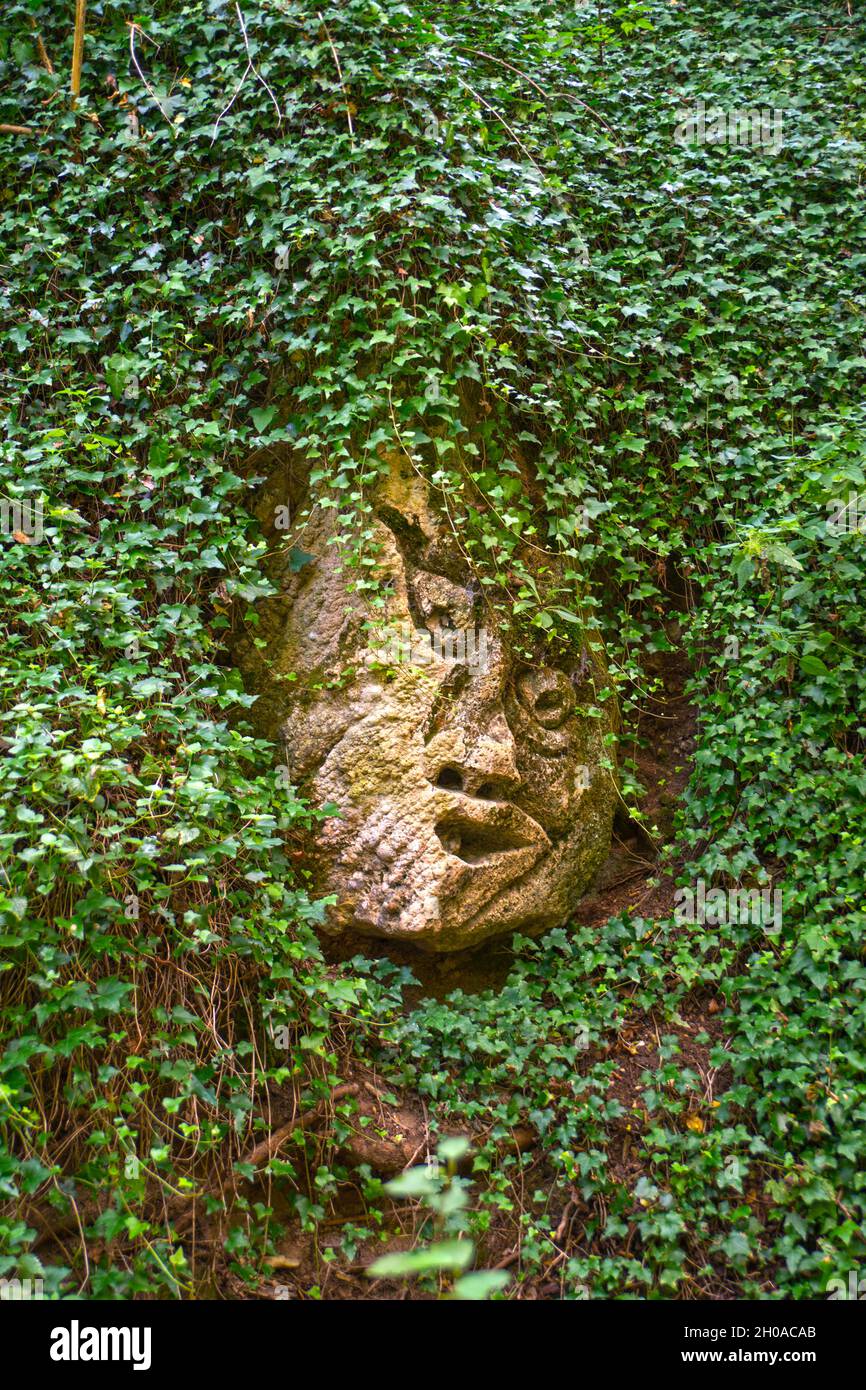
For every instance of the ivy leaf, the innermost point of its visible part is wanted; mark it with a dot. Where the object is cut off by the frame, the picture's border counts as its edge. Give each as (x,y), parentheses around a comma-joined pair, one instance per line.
(262,417)
(447,1255)
(480,1284)
(813,666)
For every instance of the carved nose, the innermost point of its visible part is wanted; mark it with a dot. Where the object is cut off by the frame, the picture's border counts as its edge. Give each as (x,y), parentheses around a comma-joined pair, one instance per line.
(488,769)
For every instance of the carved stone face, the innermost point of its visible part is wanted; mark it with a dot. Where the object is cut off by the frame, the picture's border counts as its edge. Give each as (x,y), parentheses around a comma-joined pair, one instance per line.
(471,797)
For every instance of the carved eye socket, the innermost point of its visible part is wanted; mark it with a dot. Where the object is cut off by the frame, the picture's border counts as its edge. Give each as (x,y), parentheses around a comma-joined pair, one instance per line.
(548,696)
(446,615)
(443,604)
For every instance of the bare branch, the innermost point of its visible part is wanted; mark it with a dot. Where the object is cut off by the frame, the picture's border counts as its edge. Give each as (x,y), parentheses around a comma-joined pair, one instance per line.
(502,121)
(546,97)
(40,47)
(78,48)
(339,74)
(250,67)
(133,28)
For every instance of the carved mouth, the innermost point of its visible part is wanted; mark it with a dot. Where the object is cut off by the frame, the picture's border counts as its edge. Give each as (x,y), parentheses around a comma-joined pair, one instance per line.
(476,843)
(479,834)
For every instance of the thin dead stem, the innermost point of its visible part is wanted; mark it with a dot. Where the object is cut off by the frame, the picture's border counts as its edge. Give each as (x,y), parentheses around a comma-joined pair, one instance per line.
(339,74)
(250,68)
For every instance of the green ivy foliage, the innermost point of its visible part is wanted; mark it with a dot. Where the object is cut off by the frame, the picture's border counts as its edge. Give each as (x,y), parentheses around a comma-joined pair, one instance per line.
(324,228)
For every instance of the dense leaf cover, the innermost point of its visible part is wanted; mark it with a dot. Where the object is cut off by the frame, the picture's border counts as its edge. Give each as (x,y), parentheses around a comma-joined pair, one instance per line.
(399,200)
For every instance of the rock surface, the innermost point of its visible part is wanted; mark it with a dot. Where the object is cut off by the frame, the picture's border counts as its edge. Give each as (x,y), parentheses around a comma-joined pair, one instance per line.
(470,788)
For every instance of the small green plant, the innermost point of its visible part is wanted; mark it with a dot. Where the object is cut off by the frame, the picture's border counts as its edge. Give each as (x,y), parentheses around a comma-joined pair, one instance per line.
(444,1193)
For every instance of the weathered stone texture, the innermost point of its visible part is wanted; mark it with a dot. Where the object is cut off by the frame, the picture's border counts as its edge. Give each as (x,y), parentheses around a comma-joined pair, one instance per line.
(470,787)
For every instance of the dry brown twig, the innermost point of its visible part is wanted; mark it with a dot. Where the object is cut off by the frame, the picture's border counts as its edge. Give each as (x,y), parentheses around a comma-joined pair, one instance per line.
(525,75)
(339,74)
(502,121)
(40,48)
(268,1147)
